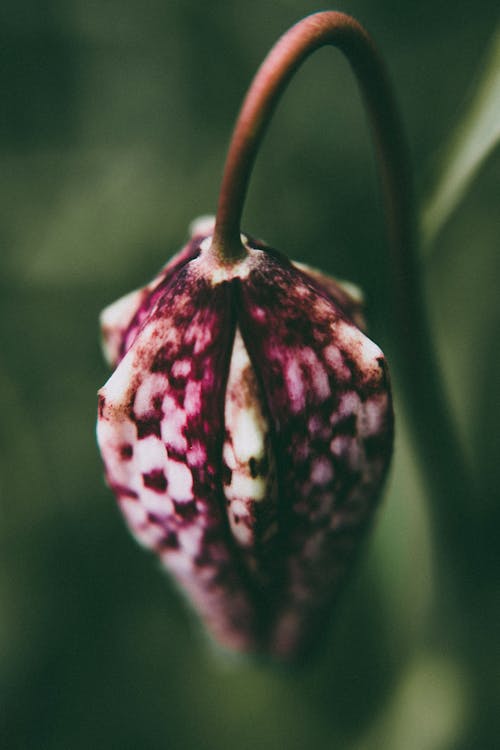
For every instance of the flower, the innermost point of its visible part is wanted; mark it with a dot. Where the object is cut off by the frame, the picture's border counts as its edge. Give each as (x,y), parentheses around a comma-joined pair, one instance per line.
(246,432)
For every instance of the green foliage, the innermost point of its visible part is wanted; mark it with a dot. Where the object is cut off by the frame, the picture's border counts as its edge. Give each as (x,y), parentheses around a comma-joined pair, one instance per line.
(474,138)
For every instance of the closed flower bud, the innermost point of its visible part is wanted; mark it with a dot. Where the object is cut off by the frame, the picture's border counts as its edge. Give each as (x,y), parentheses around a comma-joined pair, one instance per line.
(246,432)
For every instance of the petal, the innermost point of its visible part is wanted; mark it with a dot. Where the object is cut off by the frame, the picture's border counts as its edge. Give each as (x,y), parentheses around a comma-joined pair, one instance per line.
(114,321)
(249,472)
(160,432)
(347,296)
(121,321)
(327,393)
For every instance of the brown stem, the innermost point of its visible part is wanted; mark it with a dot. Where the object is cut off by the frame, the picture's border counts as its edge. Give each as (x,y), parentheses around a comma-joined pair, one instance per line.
(313,32)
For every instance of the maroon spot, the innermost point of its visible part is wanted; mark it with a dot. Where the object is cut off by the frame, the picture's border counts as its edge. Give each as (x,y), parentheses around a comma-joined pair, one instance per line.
(155,480)
(170,541)
(258,468)
(350,363)
(186,511)
(162,361)
(146,427)
(121,491)
(226,474)
(384,381)
(101,402)
(126,451)
(157,403)
(174,453)
(346,426)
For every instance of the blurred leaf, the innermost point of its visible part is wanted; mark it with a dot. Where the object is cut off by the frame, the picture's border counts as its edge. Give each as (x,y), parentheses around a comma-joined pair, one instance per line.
(428,710)
(474,139)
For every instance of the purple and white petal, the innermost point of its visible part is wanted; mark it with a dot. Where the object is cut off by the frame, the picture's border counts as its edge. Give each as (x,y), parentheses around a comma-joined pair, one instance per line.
(346,295)
(160,432)
(326,388)
(121,321)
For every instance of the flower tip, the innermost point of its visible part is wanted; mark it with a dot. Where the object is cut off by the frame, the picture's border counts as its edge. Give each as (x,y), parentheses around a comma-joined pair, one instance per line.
(201,226)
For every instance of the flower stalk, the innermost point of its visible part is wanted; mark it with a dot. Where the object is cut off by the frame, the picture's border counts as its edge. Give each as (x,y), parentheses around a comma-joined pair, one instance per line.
(294,47)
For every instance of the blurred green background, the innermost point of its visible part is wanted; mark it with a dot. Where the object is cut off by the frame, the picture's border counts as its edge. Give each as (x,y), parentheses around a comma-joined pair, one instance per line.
(114,122)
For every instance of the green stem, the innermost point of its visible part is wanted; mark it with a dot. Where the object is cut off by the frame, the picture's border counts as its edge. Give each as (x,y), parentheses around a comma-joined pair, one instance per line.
(435,433)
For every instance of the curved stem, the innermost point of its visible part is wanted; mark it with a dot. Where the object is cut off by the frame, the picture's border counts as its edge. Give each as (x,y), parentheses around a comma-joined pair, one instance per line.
(433,428)
(294,47)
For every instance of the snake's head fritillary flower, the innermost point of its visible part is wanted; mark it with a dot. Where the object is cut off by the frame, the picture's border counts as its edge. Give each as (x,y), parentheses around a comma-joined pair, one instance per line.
(246,432)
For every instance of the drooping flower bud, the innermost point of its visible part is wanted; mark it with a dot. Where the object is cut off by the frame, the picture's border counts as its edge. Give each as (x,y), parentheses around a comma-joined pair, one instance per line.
(246,432)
